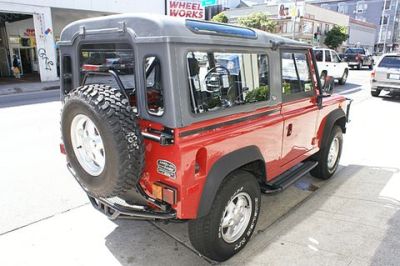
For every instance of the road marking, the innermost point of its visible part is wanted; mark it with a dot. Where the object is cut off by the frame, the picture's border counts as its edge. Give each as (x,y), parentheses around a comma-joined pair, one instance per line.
(351,90)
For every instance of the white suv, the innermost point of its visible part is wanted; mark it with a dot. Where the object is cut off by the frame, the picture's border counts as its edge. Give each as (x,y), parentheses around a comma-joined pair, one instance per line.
(329,63)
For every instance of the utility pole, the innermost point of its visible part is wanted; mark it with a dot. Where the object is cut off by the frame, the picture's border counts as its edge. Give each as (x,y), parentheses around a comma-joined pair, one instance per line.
(381,28)
(294,19)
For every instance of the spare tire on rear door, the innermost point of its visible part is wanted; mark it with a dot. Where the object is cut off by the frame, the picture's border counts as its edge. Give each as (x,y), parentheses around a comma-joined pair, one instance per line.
(102,140)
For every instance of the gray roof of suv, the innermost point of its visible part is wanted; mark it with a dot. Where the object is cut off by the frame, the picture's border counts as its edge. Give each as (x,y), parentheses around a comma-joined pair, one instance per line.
(158,28)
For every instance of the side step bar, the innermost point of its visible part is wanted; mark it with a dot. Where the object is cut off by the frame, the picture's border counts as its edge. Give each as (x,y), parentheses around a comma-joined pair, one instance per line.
(288,178)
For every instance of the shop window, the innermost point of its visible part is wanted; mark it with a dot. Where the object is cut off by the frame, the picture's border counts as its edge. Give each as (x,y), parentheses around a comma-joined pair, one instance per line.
(218,81)
(154,91)
(296,77)
(67,73)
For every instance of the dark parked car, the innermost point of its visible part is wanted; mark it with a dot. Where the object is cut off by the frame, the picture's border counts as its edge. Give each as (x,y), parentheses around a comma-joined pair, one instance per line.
(358,57)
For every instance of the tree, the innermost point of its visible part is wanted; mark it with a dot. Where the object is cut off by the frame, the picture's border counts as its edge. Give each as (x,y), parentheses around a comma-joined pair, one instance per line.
(258,21)
(335,37)
(220,17)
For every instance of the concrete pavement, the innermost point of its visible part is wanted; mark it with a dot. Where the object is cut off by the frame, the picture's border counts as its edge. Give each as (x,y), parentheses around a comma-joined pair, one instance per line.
(352,219)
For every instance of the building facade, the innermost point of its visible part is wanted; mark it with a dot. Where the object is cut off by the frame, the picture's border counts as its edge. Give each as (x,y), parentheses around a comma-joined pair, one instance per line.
(29,30)
(308,23)
(384,14)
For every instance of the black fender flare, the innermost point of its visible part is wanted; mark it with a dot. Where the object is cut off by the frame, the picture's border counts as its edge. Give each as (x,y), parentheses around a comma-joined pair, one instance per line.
(337,116)
(220,169)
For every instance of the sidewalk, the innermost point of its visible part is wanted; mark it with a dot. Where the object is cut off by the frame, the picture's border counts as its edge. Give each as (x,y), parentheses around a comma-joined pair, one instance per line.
(23,87)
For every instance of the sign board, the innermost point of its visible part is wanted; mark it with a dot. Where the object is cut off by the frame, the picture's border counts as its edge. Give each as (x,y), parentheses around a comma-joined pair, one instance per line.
(185,9)
(290,10)
(206,3)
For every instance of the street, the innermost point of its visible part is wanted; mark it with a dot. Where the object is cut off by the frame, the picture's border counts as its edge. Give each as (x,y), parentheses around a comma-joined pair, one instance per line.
(351,219)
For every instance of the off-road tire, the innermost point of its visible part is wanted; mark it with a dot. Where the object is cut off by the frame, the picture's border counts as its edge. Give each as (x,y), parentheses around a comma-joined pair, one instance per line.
(343,79)
(123,143)
(375,93)
(204,232)
(322,170)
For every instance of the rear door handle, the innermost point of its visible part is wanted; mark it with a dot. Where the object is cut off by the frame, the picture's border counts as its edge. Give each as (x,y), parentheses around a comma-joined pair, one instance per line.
(289,129)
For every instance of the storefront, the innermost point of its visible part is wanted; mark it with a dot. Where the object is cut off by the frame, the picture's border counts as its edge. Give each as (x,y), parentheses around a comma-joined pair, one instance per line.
(29,33)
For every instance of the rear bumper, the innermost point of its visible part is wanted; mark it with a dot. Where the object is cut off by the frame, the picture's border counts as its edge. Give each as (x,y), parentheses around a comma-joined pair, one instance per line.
(385,85)
(115,211)
(353,63)
(117,208)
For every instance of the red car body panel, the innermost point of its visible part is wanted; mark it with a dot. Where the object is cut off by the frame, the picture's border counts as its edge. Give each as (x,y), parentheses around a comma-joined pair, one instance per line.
(268,133)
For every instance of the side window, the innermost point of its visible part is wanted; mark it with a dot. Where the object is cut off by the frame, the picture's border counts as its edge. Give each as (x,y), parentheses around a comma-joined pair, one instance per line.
(223,80)
(319,55)
(154,91)
(335,57)
(67,73)
(328,56)
(296,77)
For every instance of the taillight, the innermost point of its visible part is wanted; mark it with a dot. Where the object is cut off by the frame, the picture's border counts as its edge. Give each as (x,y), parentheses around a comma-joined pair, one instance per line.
(165,193)
(94,68)
(373,73)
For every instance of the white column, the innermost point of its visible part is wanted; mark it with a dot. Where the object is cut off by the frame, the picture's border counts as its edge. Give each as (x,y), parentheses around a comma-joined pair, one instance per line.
(45,44)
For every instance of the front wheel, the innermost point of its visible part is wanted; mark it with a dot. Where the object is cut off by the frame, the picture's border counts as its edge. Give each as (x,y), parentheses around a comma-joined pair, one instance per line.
(227,228)
(328,157)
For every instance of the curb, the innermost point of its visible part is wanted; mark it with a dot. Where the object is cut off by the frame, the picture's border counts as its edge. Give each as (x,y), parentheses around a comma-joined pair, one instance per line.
(17,90)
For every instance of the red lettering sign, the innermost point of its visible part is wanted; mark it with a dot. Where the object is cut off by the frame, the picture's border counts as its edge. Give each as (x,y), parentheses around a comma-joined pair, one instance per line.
(185,9)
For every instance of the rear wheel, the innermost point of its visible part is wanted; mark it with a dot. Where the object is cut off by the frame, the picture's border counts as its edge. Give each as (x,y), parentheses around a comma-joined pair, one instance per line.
(226,229)
(328,157)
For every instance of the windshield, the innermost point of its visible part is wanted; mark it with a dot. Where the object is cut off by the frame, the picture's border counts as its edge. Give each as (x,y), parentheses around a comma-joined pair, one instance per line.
(355,51)
(390,62)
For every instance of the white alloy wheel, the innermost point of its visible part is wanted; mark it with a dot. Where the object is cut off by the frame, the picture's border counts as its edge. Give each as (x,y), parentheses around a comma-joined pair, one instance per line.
(236,217)
(88,145)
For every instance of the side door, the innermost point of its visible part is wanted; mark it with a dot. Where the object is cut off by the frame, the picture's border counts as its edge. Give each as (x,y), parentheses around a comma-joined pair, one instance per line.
(339,67)
(328,63)
(299,107)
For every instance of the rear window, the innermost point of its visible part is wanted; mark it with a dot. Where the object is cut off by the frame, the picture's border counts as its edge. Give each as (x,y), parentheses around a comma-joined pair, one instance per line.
(355,51)
(108,56)
(390,62)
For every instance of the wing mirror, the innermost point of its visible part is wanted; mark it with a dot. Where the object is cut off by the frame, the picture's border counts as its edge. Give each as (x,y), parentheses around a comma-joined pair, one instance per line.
(327,83)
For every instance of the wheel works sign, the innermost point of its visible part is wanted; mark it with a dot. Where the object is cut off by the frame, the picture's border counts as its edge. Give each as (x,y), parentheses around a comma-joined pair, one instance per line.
(185,9)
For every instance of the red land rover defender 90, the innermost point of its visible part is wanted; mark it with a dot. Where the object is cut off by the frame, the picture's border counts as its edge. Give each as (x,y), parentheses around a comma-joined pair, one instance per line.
(174,119)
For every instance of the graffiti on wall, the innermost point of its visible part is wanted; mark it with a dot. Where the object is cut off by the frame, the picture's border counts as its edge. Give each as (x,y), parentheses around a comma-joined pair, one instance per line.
(47,62)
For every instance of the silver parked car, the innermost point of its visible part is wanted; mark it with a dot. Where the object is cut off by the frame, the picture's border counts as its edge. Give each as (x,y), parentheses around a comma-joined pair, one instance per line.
(386,75)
